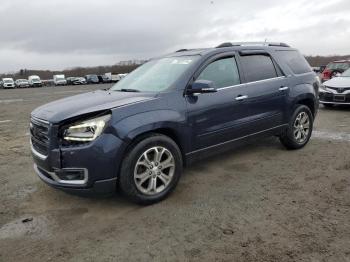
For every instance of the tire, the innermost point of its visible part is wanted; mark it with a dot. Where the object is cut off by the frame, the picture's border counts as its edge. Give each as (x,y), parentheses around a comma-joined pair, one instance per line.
(296,136)
(133,170)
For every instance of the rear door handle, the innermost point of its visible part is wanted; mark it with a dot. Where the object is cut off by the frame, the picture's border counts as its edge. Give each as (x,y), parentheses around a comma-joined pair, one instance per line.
(240,98)
(283,88)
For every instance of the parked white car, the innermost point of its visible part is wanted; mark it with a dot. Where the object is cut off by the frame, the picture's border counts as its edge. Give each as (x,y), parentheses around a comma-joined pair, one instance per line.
(8,83)
(114,77)
(79,81)
(59,80)
(22,83)
(336,91)
(35,81)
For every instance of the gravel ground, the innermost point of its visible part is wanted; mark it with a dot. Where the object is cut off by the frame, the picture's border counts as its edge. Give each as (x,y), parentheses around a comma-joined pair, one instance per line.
(257,203)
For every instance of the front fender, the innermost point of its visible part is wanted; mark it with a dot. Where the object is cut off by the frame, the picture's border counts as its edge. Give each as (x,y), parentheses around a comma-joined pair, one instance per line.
(130,127)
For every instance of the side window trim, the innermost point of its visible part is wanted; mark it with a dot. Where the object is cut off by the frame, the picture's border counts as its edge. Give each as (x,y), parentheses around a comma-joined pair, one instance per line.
(253,82)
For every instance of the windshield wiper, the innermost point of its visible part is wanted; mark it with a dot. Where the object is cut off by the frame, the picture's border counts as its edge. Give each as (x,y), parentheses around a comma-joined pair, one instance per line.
(127,90)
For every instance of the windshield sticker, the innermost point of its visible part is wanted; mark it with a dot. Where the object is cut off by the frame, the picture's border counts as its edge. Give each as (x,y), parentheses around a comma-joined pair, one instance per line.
(181,62)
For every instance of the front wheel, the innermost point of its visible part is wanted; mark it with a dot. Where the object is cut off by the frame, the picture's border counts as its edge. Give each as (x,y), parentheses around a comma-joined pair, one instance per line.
(299,129)
(151,169)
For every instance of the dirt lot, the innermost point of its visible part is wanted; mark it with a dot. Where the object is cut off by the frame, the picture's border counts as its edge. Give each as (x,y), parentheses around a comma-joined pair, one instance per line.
(257,203)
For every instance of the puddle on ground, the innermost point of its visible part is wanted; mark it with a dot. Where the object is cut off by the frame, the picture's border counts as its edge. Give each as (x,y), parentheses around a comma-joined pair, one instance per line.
(35,227)
(331,135)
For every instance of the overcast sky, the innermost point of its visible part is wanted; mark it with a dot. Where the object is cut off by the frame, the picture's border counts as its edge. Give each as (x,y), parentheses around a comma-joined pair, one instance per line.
(58,34)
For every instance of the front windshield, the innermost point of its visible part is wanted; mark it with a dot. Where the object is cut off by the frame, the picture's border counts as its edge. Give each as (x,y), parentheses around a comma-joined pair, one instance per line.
(8,81)
(156,75)
(346,73)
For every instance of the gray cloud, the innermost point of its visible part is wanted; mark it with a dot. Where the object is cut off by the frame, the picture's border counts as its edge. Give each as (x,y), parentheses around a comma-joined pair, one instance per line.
(58,34)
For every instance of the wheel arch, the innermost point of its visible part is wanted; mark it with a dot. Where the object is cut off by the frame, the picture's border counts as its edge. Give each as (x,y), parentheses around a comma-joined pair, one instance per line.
(310,103)
(166,131)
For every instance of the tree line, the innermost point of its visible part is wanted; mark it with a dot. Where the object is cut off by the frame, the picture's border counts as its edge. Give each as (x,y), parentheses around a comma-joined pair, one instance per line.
(77,71)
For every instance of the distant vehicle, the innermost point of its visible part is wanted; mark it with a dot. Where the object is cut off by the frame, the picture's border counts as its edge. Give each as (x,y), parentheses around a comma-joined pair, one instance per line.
(334,68)
(121,76)
(322,68)
(70,80)
(92,79)
(79,81)
(48,82)
(104,79)
(336,91)
(109,76)
(316,69)
(8,83)
(114,77)
(59,80)
(35,81)
(20,83)
(76,80)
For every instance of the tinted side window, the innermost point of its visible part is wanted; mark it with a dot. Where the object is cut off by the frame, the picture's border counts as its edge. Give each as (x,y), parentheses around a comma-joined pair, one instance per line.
(258,67)
(295,61)
(223,73)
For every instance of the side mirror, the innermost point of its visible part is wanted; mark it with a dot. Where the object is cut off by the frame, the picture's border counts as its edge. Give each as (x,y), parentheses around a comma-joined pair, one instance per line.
(202,87)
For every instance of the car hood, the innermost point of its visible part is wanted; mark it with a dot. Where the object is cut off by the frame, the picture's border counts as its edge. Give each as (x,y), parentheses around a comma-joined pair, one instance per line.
(95,101)
(338,82)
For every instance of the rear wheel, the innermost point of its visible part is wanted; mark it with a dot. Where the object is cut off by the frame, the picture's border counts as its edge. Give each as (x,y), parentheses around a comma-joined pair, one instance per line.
(151,169)
(299,130)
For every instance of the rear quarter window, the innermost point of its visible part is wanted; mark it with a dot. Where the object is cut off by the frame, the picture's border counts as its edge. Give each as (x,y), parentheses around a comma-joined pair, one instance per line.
(296,62)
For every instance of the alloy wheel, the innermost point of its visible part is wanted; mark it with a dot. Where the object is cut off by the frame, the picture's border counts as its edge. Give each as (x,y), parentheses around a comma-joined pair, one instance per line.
(301,127)
(154,170)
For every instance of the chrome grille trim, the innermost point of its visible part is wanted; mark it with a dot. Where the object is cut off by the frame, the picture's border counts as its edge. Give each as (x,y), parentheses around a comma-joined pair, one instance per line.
(39,140)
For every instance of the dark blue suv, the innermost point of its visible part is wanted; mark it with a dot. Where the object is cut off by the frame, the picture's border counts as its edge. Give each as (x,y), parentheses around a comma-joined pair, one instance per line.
(175,109)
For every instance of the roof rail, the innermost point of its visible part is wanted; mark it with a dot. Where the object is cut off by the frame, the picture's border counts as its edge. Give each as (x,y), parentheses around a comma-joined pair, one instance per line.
(229,44)
(181,50)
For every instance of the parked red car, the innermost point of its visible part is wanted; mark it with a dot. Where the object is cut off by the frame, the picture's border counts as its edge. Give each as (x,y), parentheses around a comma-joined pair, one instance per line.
(334,68)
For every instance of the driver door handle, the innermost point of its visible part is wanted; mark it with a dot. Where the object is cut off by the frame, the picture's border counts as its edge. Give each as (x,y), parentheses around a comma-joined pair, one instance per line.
(283,88)
(240,97)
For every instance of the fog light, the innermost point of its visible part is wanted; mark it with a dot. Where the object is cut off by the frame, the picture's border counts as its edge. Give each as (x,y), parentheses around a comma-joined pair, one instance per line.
(71,174)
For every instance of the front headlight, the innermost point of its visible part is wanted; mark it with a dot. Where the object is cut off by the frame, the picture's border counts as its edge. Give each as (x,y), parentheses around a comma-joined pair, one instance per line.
(87,130)
(322,88)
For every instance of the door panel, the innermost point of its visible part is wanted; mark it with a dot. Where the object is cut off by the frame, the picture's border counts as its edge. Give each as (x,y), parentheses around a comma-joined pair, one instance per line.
(266,103)
(217,117)
(267,90)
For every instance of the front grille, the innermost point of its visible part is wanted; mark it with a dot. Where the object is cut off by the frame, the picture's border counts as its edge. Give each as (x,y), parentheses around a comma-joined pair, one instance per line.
(339,89)
(329,97)
(39,131)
